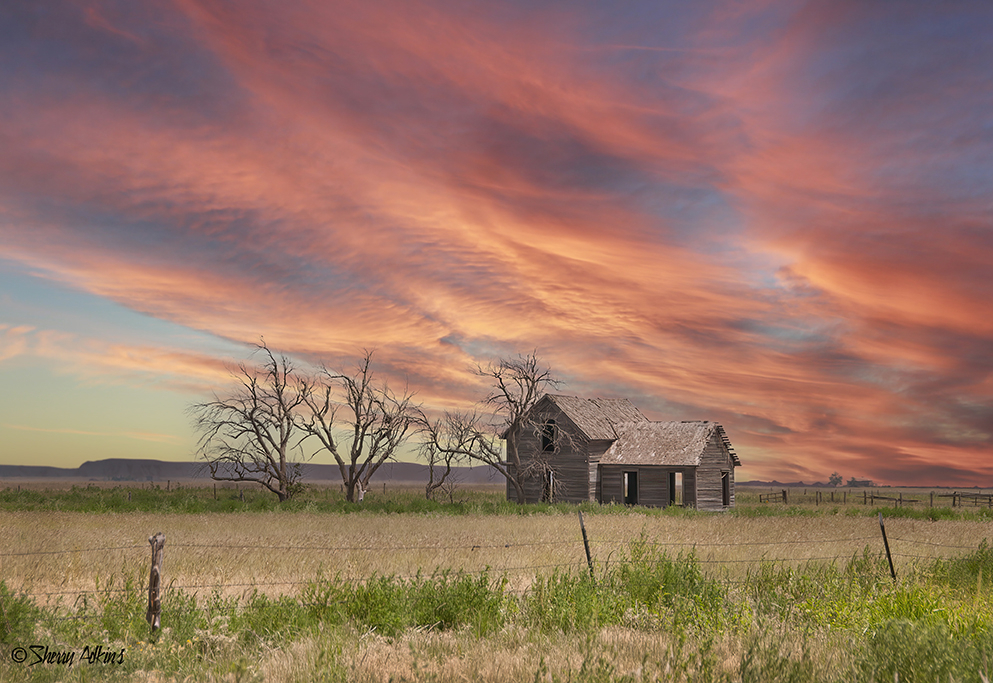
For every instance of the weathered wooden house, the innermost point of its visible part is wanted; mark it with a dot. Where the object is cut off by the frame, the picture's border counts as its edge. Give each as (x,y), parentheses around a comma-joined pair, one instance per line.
(580,449)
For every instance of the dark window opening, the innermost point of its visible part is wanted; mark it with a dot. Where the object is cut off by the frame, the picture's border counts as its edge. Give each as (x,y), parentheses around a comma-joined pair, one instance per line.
(630,488)
(548,437)
(725,489)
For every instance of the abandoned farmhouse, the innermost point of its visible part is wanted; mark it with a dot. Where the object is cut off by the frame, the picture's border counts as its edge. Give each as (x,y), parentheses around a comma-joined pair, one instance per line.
(580,449)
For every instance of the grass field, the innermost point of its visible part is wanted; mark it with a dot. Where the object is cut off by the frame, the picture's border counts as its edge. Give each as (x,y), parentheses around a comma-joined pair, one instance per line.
(480,590)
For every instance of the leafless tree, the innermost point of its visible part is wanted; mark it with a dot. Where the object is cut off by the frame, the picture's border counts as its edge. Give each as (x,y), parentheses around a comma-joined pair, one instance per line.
(518,383)
(457,437)
(249,434)
(360,423)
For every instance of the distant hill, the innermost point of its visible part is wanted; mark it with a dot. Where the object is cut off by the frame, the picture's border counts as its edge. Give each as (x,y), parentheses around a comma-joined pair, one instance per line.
(124,469)
(787,484)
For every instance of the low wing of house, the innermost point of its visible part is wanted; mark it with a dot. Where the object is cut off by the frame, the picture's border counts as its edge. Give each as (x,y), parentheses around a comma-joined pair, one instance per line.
(689,462)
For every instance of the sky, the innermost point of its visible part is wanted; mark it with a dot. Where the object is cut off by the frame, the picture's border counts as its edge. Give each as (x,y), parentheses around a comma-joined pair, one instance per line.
(775,215)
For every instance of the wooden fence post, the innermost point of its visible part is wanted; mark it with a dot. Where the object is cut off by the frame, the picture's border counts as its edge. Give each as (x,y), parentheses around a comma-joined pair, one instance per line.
(886,544)
(154,613)
(785,497)
(586,543)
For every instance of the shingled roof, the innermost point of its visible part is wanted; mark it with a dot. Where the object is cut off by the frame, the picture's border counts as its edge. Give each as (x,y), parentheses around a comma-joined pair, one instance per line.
(596,417)
(678,444)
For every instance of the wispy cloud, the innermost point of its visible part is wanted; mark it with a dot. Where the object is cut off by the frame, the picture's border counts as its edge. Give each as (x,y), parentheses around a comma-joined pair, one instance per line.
(761,213)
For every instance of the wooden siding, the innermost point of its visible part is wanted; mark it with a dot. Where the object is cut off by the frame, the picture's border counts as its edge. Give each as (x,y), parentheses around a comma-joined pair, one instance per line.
(714,462)
(594,451)
(581,475)
(570,462)
(653,484)
(690,487)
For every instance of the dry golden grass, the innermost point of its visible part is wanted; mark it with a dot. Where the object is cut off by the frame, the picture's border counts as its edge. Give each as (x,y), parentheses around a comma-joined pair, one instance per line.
(515,654)
(509,656)
(234,552)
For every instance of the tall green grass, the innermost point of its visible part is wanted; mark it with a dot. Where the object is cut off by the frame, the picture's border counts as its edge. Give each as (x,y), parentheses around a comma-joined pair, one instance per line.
(396,500)
(818,622)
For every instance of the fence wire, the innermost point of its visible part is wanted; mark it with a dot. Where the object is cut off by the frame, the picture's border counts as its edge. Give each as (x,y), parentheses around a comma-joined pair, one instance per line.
(578,563)
(474,546)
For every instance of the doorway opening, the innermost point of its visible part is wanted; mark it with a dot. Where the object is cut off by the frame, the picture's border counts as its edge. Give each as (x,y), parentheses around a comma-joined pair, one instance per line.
(630,488)
(675,488)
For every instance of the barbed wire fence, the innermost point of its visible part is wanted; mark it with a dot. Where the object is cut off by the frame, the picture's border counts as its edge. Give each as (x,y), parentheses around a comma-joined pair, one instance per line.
(602,545)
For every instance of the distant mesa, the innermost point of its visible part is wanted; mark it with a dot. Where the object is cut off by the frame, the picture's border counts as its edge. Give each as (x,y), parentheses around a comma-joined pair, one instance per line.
(126,469)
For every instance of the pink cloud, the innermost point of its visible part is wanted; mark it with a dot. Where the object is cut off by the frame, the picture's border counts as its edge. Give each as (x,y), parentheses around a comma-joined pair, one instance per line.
(713,231)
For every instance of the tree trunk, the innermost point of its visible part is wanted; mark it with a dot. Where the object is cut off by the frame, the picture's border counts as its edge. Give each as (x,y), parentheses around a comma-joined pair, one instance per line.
(519,488)
(514,459)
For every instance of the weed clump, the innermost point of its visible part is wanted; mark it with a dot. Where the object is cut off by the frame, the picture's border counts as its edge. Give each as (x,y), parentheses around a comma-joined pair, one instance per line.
(18,615)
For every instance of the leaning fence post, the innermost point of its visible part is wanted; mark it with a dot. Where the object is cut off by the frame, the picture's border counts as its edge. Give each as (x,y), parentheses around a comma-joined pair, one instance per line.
(586,543)
(886,544)
(152,616)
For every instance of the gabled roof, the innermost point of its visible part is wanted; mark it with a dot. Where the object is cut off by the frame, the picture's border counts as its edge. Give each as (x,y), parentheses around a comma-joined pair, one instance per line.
(678,444)
(596,417)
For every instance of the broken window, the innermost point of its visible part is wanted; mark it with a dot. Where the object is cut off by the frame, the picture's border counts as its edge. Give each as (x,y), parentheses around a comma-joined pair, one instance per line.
(548,437)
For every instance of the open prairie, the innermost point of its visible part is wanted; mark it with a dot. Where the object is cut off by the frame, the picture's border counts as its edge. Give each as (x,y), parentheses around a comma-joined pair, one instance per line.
(279,552)
(479,590)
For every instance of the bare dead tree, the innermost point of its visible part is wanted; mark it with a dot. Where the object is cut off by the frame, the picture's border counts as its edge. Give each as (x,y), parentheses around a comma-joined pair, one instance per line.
(541,464)
(249,434)
(360,423)
(455,438)
(518,383)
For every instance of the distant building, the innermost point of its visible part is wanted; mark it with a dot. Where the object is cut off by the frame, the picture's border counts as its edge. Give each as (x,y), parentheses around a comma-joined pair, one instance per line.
(579,449)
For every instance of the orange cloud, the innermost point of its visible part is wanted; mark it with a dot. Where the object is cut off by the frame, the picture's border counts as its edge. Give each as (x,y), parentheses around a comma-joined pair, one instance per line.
(745,225)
